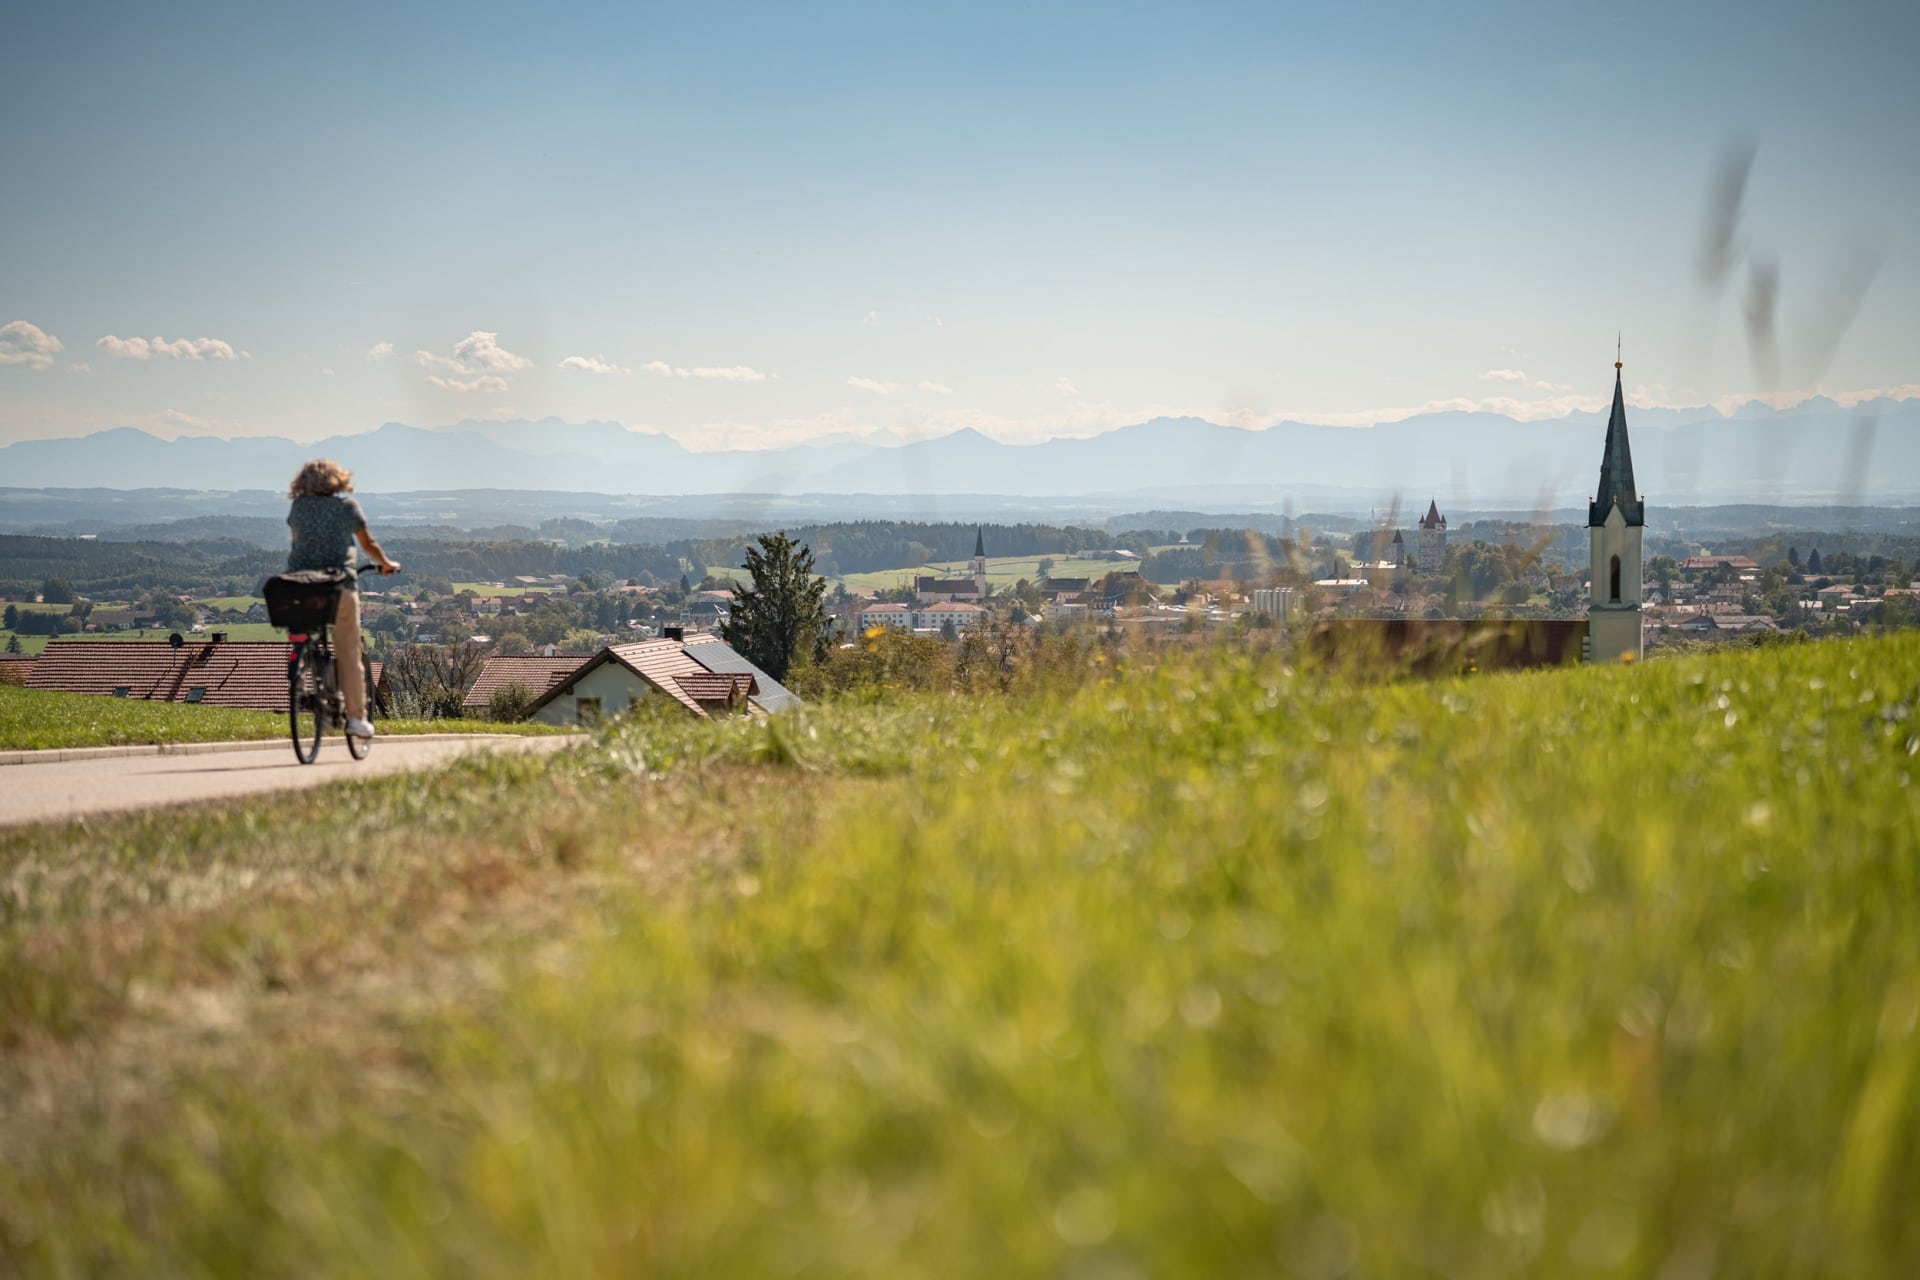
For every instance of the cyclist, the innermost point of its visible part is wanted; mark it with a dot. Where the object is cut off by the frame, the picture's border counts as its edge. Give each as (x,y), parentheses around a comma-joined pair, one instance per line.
(325,523)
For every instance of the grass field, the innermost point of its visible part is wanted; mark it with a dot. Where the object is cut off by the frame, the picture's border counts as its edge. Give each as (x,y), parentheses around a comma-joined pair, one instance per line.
(1003,572)
(1210,968)
(239,603)
(488,590)
(37,719)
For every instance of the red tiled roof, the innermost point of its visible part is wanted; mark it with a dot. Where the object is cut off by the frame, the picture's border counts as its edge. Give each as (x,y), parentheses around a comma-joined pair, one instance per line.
(251,674)
(536,673)
(715,686)
(952,606)
(15,668)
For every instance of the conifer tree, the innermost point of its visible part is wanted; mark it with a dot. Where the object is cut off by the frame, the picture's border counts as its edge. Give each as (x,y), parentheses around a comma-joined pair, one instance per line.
(781,616)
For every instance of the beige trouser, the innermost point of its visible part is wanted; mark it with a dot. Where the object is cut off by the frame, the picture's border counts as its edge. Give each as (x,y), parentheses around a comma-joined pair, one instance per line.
(346,654)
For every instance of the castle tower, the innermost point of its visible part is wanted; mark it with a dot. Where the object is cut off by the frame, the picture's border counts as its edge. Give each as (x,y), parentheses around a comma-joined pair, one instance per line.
(1397,551)
(980,561)
(1432,555)
(1615,518)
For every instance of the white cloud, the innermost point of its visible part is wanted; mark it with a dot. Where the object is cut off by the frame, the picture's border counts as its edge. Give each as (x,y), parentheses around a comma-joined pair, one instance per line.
(176,418)
(478,352)
(161,349)
(380,351)
(728,373)
(1503,375)
(326,373)
(874,385)
(81,367)
(483,351)
(593,364)
(486,385)
(1065,387)
(28,344)
(871,318)
(937,388)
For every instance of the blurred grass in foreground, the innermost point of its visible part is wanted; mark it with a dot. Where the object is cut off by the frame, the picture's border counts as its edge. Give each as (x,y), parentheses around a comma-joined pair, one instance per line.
(1207,968)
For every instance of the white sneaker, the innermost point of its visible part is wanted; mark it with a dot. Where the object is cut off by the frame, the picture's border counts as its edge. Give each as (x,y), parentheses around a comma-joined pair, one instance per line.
(360,728)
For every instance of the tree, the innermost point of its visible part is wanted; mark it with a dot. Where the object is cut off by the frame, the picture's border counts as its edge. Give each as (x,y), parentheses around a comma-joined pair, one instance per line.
(510,702)
(13,644)
(1813,561)
(782,615)
(12,616)
(430,682)
(56,591)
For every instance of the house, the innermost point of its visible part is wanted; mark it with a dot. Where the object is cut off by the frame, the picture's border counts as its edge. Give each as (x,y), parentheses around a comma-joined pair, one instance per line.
(1701,564)
(128,619)
(702,674)
(933,617)
(1724,624)
(219,673)
(535,673)
(1053,588)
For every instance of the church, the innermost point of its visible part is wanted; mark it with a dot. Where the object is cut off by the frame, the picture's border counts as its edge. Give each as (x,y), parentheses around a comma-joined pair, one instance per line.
(929,590)
(1616,517)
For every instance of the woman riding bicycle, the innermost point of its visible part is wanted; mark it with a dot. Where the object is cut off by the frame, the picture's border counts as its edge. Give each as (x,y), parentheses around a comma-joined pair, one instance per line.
(325,523)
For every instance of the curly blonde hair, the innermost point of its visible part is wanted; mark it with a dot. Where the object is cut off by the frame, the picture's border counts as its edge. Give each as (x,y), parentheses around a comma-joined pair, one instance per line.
(321,478)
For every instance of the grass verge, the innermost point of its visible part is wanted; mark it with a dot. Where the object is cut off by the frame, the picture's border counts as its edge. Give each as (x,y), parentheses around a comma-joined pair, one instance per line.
(39,719)
(1216,967)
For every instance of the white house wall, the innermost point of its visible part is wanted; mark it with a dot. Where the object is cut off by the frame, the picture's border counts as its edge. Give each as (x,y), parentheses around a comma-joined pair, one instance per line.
(615,686)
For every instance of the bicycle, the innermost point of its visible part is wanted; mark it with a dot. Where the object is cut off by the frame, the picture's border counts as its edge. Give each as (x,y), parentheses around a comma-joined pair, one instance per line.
(315,701)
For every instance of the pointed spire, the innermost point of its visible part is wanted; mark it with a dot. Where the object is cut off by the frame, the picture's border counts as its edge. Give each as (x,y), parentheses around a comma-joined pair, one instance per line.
(979,541)
(1433,519)
(1616,468)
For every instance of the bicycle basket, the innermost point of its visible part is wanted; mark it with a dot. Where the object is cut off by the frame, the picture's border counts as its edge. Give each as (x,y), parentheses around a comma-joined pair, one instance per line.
(304,599)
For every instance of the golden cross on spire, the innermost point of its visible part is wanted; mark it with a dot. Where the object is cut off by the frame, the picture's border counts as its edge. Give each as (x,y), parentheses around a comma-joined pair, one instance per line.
(1616,350)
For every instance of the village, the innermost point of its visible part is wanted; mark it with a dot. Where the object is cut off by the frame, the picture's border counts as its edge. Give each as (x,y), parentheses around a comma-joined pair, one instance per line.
(513,646)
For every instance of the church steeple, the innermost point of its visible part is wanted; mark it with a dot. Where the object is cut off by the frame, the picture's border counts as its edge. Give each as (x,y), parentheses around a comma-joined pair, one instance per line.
(1616,469)
(1616,520)
(979,543)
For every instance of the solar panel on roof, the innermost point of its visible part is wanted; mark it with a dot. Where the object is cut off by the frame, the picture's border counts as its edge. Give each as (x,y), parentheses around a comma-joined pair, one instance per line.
(716,655)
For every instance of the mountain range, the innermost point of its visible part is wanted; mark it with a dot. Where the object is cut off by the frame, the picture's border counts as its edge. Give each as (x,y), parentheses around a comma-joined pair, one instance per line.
(1815,452)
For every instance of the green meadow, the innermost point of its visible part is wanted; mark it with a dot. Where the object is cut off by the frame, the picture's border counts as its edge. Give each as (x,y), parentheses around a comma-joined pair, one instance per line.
(1208,965)
(1002,571)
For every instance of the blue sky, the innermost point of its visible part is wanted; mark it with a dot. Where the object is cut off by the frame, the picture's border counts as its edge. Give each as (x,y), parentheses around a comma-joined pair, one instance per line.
(756,224)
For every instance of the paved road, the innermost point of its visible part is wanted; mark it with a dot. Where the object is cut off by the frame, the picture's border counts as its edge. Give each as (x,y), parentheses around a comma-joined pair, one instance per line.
(60,790)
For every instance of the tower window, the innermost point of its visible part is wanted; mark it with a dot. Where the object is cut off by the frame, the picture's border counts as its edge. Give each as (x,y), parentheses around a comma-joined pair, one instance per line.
(1615,577)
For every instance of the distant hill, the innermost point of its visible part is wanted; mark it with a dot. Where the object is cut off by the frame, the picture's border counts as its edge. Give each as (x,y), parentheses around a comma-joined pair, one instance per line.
(1817,452)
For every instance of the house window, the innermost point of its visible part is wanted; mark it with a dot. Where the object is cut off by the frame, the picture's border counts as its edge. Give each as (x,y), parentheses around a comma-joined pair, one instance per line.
(196,693)
(586,710)
(121,690)
(1615,597)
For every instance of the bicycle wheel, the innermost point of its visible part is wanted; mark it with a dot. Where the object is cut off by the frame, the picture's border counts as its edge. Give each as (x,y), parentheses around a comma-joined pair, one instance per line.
(358,747)
(307,704)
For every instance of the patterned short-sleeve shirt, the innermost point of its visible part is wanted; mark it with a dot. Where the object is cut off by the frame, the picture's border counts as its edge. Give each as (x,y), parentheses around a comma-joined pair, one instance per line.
(323,530)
